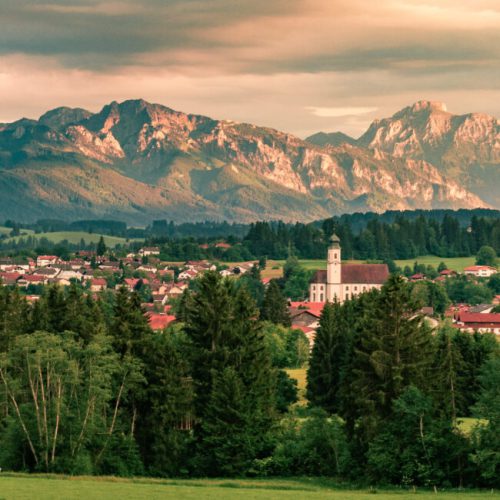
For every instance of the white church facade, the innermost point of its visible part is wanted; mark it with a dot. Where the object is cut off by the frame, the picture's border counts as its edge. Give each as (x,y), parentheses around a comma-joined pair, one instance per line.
(342,282)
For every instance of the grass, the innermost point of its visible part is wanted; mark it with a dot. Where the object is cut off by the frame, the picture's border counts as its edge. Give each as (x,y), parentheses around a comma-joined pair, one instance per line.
(300,375)
(456,263)
(274,268)
(74,237)
(23,486)
(7,230)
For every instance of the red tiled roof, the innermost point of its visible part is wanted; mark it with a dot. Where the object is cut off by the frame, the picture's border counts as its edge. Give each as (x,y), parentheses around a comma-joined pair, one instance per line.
(314,307)
(357,273)
(305,329)
(160,321)
(465,317)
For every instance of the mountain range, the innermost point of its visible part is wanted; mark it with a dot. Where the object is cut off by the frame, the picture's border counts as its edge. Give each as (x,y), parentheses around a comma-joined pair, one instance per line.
(138,161)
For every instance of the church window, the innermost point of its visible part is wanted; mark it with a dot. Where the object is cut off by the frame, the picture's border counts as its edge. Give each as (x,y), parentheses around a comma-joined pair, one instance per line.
(346,296)
(321,298)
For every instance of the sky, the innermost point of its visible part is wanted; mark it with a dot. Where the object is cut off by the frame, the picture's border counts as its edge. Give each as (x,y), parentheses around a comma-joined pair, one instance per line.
(300,66)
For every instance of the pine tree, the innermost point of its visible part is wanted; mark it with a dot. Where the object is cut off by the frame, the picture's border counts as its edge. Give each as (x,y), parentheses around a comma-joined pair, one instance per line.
(275,306)
(395,352)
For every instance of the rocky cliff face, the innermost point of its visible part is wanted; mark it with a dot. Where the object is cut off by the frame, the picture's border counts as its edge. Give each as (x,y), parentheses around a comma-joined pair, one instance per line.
(138,161)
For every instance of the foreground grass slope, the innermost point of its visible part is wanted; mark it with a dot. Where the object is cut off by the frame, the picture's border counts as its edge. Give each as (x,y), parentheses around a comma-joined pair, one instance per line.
(20,487)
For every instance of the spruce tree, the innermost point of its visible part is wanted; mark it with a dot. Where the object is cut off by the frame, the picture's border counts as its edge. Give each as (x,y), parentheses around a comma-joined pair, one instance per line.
(324,376)
(395,351)
(275,306)
(233,379)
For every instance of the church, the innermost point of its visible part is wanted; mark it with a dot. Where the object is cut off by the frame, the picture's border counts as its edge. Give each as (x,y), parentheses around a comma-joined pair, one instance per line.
(344,281)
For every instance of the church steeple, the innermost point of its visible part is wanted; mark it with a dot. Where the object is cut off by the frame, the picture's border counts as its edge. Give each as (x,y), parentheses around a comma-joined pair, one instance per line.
(333,269)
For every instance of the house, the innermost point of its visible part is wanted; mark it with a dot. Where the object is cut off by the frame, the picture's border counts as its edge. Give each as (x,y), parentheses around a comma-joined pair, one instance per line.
(159,321)
(98,284)
(417,277)
(344,281)
(446,273)
(46,260)
(478,322)
(480,271)
(8,279)
(144,252)
(305,314)
(188,274)
(32,279)
(224,246)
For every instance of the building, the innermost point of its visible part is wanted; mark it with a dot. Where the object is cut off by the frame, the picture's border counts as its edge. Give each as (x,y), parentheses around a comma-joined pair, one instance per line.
(480,271)
(344,281)
(478,322)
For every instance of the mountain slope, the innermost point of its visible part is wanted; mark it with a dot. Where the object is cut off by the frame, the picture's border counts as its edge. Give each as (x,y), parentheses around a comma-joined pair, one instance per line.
(137,161)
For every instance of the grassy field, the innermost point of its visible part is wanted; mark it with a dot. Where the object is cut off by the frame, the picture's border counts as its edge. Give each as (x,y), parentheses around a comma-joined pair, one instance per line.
(300,375)
(455,263)
(20,487)
(7,230)
(75,237)
(274,268)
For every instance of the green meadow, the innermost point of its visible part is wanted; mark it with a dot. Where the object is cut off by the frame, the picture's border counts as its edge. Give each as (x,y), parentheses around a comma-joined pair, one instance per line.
(20,487)
(75,237)
(274,268)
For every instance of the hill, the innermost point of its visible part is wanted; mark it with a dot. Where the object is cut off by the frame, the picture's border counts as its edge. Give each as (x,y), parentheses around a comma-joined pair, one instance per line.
(138,161)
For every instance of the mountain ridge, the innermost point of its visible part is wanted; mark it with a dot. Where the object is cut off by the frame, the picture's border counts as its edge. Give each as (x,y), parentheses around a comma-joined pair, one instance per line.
(137,160)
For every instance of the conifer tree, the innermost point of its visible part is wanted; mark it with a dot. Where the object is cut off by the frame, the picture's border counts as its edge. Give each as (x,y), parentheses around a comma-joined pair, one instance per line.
(233,379)
(101,247)
(324,376)
(395,352)
(275,307)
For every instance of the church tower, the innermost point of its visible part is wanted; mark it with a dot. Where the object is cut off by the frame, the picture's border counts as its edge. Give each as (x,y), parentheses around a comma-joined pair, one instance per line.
(333,270)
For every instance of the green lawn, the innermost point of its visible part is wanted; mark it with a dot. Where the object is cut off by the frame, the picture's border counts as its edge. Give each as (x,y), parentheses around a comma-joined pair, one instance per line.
(75,237)
(19,487)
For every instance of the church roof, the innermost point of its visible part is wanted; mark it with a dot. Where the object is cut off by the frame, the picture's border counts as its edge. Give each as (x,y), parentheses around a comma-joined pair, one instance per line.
(375,274)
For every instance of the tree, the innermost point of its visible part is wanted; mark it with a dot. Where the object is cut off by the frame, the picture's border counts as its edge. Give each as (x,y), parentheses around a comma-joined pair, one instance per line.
(326,372)
(486,454)
(58,397)
(101,247)
(449,366)
(486,256)
(233,379)
(275,306)
(394,352)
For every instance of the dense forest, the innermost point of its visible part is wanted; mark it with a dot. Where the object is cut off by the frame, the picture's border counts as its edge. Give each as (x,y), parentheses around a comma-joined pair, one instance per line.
(87,387)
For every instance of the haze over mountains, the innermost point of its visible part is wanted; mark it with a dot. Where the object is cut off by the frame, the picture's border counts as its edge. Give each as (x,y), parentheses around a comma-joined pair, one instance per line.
(138,161)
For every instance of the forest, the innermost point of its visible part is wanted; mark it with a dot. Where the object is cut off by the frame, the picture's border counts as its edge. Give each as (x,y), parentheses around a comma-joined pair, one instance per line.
(384,237)
(87,388)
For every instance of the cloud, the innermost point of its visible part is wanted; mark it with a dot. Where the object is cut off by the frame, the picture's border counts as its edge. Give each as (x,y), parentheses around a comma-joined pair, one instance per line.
(339,112)
(261,61)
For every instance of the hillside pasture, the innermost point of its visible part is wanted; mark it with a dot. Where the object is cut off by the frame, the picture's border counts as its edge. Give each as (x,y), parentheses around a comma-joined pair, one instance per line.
(74,237)
(23,487)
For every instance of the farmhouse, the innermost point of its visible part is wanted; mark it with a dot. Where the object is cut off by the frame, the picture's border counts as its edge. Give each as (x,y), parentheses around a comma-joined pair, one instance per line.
(344,281)
(479,322)
(480,271)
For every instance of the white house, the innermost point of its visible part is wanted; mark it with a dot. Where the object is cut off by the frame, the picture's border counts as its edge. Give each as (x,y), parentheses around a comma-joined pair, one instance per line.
(480,271)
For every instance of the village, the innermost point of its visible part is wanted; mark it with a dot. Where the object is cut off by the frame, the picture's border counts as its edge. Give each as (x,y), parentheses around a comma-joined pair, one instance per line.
(162,283)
